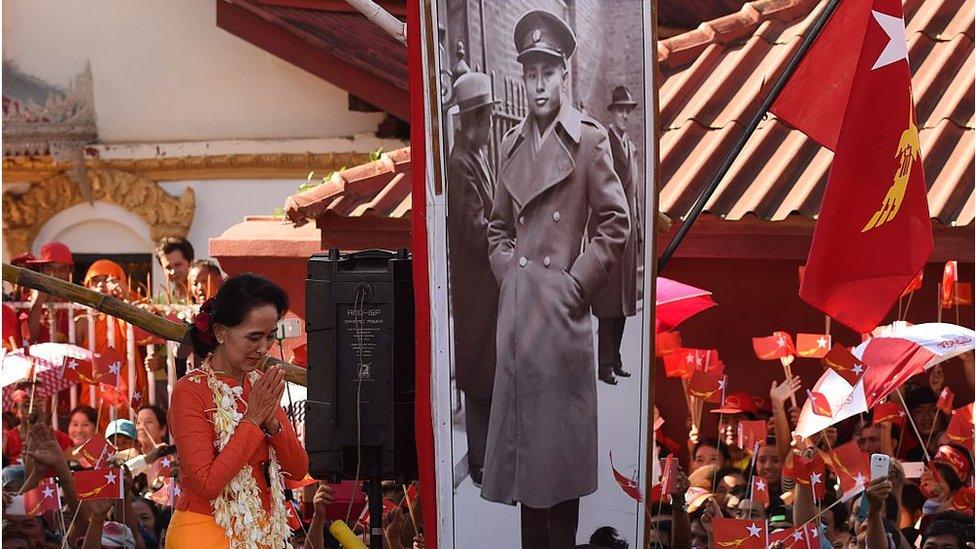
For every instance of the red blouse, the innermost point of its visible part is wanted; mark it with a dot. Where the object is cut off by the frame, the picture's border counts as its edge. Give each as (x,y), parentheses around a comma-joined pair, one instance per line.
(203,471)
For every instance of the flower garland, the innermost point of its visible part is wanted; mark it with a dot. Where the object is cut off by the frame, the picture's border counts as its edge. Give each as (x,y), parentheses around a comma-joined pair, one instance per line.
(238,509)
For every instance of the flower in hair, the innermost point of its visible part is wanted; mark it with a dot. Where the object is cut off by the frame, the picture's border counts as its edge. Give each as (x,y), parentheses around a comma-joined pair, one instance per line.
(203,322)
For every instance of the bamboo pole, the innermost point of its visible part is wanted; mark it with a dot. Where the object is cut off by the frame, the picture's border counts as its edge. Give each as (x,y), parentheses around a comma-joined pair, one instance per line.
(147,320)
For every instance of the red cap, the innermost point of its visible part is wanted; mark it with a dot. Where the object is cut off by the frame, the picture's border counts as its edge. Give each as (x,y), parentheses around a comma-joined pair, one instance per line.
(22,259)
(762,404)
(954,458)
(737,403)
(54,252)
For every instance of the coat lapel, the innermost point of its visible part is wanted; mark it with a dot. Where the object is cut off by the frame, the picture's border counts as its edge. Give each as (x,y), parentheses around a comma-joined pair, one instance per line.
(527,173)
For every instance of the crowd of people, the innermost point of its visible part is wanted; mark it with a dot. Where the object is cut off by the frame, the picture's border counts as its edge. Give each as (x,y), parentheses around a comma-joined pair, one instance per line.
(173,479)
(925,500)
(219,459)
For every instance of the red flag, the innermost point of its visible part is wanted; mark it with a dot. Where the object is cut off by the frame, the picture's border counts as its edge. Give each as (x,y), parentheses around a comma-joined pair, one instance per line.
(78,370)
(960,294)
(43,498)
(707,386)
(964,500)
(107,367)
(852,94)
(93,452)
(114,395)
(751,432)
(812,345)
(363,520)
(293,522)
(792,538)
(167,494)
(668,473)
(760,491)
(946,398)
(778,345)
(960,429)
(850,465)
(137,400)
(915,284)
(629,486)
(950,275)
(99,483)
(740,534)
(889,411)
(683,361)
(820,404)
(810,472)
(666,342)
(163,467)
(841,360)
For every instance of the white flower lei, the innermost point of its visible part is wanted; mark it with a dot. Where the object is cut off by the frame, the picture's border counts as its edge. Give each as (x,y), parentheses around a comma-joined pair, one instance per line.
(238,509)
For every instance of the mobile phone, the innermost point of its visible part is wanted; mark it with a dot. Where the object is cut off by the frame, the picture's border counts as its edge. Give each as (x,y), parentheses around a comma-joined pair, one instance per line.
(16,506)
(913,469)
(879,465)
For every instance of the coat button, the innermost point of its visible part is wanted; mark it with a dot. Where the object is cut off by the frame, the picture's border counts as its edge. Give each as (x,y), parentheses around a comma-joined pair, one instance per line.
(523,261)
(521,220)
(555,216)
(546,261)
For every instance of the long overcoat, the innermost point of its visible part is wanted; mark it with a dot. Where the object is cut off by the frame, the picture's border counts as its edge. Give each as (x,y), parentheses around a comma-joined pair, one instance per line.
(474,290)
(542,432)
(619,296)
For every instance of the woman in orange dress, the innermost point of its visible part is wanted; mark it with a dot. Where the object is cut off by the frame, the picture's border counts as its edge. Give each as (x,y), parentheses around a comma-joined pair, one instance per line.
(108,277)
(235,443)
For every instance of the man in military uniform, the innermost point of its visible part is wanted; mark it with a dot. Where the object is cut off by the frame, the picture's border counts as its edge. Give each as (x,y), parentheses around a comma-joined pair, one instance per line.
(618,299)
(474,291)
(555,174)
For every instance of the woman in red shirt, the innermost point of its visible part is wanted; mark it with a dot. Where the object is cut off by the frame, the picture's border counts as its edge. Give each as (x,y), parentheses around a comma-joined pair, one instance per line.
(235,443)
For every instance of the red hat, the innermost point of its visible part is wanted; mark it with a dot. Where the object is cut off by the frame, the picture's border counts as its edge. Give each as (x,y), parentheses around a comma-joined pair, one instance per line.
(737,403)
(22,259)
(954,458)
(54,252)
(762,404)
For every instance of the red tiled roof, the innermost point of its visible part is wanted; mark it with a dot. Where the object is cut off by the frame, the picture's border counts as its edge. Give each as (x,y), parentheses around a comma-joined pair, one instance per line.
(380,188)
(710,87)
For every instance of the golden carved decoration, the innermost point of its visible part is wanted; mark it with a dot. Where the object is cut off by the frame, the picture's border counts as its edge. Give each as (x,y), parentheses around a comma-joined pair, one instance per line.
(25,214)
(227,166)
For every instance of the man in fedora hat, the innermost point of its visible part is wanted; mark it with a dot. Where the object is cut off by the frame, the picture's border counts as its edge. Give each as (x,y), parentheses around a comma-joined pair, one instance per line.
(555,177)
(617,300)
(473,289)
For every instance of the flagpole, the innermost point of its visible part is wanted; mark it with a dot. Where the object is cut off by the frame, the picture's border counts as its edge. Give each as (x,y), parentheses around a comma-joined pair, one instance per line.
(925,450)
(706,194)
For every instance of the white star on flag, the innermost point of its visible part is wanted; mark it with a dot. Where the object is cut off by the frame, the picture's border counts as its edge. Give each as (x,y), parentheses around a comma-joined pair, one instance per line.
(859,479)
(110,477)
(113,368)
(897,47)
(760,486)
(814,478)
(721,384)
(166,462)
(753,530)
(73,364)
(780,341)
(822,343)
(48,492)
(901,413)
(857,369)
(813,532)
(698,359)
(689,358)
(797,535)
(176,489)
(136,396)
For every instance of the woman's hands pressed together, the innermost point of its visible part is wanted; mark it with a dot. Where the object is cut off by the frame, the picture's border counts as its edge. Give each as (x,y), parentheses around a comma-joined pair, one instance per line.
(262,402)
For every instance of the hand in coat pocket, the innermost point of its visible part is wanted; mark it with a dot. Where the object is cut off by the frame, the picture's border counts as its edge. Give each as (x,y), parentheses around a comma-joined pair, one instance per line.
(574,293)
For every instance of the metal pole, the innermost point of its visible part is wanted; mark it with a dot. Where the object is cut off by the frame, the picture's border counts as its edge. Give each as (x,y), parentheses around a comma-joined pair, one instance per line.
(703,198)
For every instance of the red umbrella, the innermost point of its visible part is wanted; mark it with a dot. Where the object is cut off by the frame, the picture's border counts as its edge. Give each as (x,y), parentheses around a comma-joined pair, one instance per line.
(676,302)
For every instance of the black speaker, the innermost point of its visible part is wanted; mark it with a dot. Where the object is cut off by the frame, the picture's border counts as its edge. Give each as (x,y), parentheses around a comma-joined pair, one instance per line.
(360,324)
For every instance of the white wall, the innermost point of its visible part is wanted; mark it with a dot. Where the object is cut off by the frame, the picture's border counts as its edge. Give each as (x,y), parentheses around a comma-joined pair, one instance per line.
(163,71)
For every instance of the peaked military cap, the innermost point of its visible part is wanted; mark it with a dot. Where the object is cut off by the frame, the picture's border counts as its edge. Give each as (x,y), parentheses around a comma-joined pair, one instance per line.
(539,31)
